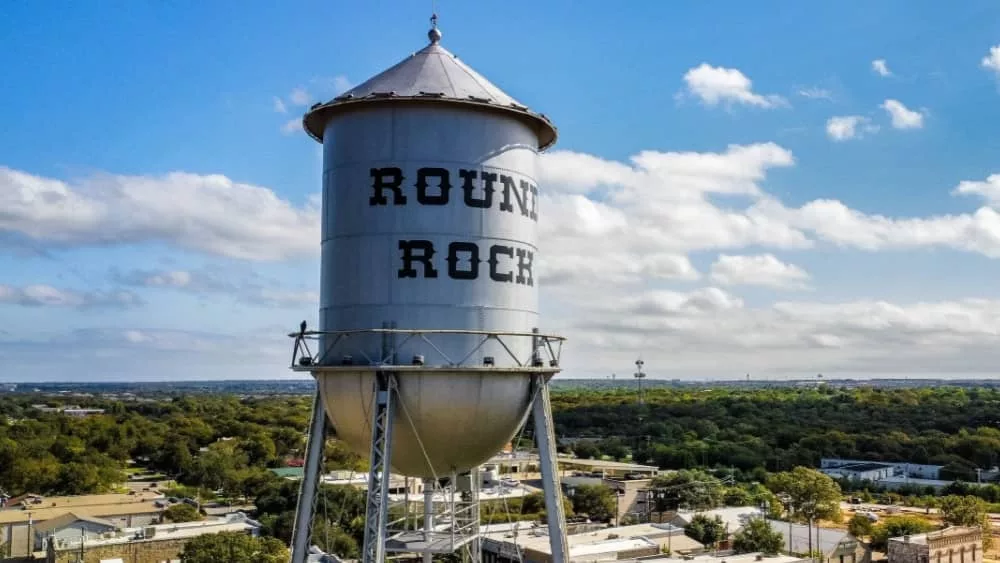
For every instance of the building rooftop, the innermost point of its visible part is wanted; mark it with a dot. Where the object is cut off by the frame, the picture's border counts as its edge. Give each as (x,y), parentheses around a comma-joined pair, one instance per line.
(236,522)
(866,466)
(605,540)
(923,539)
(96,506)
(58,522)
(829,538)
(740,558)
(734,517)
(609,546)
(288,472)
(922,482)
(602,464)
(79,500)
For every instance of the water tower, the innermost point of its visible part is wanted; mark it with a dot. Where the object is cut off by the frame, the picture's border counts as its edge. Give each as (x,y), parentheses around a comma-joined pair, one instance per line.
(428,358)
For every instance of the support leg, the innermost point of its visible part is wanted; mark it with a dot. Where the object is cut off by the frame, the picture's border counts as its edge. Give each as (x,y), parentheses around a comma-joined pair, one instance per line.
(376,511)
(541,412)
(476,547)
(429,485)
(310,482)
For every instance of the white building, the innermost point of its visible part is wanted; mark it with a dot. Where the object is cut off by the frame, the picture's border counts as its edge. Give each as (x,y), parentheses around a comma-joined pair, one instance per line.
(531,545)
(741,558)
(898,468)
(733,517)
(71,527)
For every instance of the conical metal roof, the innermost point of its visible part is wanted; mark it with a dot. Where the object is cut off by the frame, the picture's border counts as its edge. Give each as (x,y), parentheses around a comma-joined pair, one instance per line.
(431,75)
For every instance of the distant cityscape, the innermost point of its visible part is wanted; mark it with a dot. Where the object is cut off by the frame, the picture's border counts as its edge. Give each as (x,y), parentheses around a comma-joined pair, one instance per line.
(306,386)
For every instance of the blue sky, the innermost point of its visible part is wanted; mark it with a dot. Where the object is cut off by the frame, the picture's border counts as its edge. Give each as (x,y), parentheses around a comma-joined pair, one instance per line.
(157,210)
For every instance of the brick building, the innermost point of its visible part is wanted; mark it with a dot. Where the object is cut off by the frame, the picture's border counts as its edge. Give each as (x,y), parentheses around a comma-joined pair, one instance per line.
(951,545)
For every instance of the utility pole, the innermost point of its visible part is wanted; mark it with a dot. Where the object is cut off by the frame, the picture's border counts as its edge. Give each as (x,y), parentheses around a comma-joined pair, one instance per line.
(810,534)
(639,376)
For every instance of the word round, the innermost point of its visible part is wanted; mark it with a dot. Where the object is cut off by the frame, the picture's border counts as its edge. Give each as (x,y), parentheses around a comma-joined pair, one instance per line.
(461,260)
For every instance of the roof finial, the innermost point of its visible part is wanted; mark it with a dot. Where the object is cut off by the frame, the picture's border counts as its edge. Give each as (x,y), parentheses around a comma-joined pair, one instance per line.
(434,34)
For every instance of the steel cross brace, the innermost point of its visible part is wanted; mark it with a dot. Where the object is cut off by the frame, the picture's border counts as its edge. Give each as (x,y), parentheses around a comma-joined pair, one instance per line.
(376,511)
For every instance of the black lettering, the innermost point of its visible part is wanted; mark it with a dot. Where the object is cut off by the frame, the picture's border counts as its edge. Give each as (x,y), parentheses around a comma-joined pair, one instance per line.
(495,251)
(534,202)
(423,198)
(510,186)
(426,249)
(467,186)
(387,178)
(473,251)
(524,259)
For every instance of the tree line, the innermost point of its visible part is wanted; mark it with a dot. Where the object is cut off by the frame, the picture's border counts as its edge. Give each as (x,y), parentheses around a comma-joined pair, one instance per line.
(753,432)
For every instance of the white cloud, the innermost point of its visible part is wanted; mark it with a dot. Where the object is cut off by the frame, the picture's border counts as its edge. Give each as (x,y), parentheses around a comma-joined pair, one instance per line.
(603,219)
(707,332)
(714,85)
(207,213)
(614,267)
(834,222)
(992,60)
(989,189)
(642,218)
(902,117)
(47,296)
(279,106)
(763,270)
(165,355)
(292,126)
(816,93)
(341,84)
(171,279)
(247,288)
(842,128)
(281,298)
(300,97)
(135,336)
(881,68)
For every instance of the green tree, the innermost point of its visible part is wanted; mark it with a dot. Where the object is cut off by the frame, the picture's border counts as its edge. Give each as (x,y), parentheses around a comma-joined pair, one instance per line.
(811,494)
(967,511)
(181,512)
(758,536)
(705,530)
(586,450)
(962,510)
(738,496)
(234,547)
(693,489)
(331,538)
(596,501)
(898,526)
(860,526)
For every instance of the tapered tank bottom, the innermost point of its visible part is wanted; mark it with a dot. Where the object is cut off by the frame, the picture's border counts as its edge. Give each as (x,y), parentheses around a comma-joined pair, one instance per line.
(460,419)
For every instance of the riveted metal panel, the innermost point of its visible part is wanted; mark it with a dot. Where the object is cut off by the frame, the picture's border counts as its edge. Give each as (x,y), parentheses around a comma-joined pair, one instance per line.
(447,420)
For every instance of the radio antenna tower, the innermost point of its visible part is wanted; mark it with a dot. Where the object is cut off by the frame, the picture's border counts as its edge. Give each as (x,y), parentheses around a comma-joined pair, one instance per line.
(639,376)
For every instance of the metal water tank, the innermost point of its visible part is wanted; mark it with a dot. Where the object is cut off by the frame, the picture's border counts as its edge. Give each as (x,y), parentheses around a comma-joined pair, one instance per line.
(430,216)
